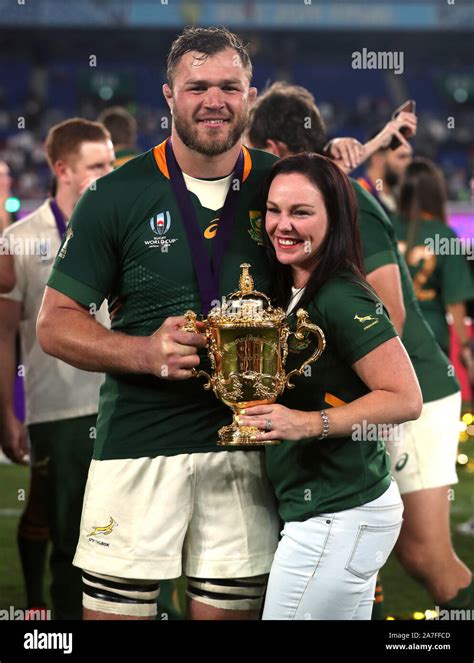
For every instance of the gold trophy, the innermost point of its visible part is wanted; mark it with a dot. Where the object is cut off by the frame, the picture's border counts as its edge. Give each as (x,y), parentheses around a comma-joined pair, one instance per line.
(247,343)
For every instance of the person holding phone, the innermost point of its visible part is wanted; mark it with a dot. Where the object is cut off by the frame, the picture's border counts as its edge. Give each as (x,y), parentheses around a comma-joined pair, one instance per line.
(389,153)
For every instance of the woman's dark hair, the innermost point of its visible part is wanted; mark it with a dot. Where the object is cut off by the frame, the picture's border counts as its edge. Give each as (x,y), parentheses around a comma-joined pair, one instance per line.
(423,190)
(340,252)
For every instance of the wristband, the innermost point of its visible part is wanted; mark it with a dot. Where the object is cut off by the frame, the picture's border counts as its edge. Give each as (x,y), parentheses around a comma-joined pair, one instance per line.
(325,419)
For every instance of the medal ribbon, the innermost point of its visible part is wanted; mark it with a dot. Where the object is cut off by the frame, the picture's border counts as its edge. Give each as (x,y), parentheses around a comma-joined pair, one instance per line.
(58,217)
(207,271)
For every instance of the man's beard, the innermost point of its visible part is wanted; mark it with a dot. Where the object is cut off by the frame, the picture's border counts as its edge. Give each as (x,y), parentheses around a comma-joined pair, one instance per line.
(391,177)
(213,146)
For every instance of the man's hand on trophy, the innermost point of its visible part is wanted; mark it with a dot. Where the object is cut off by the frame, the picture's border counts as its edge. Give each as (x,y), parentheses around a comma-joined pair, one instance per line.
(171,352)
(280,423)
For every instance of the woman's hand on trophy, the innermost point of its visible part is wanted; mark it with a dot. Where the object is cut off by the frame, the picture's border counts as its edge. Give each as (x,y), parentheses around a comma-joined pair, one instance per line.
(172,353)
(278,422)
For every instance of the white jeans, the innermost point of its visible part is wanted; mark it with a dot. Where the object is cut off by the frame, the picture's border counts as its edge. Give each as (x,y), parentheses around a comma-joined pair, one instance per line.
(326,567)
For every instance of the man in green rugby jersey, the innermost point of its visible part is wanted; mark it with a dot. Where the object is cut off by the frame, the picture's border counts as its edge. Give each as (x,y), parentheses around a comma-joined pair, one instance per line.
(423,459)
(164,233)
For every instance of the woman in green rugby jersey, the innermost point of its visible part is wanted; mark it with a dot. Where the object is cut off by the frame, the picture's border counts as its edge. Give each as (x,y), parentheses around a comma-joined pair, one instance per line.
(331,473)
(435,255)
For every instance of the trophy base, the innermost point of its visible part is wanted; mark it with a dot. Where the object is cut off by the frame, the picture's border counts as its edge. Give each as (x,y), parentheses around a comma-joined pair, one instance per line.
(234,435)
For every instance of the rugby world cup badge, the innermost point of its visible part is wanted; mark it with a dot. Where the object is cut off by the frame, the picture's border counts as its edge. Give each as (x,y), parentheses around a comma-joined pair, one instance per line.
(160,223)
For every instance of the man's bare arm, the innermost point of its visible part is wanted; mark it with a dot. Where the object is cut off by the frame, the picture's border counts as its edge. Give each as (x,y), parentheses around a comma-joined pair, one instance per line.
(387,284)
(458,313)
(348,153)
(66,330)
(10,312)
(7,272)
(12,431)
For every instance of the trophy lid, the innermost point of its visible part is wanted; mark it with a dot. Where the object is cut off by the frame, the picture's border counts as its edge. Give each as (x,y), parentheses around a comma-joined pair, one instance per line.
(246,306)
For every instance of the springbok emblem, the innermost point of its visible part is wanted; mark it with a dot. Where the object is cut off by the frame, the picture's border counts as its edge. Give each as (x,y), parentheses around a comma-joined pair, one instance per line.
(105,530)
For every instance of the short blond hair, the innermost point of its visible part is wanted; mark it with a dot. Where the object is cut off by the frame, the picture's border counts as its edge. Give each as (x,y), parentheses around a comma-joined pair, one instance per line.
(64,139)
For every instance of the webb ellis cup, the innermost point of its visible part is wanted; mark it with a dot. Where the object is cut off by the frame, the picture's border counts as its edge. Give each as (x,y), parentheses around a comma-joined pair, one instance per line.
(247,343)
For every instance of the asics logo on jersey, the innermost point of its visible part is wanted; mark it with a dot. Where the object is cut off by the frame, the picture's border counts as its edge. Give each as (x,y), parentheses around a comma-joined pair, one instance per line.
(105,530)
(255,230)
(366,318)
(160,223)
(211,229)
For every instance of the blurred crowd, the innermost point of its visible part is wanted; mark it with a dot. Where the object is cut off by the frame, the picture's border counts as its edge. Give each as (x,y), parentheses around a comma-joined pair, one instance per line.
(21,147)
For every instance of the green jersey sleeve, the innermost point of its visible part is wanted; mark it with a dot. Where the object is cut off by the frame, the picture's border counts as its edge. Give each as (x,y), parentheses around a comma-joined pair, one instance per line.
(457,283)
(375,231)
(87,263)
(356,319)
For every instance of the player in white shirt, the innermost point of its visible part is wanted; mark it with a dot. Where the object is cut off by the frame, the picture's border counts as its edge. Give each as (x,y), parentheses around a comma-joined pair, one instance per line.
(61,401)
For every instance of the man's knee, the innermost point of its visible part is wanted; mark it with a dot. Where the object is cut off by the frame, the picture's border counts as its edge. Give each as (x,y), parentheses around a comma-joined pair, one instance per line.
(229,593)
(119,596)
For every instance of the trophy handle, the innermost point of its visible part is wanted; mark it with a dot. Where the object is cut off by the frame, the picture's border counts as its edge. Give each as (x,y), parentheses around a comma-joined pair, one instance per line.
(191,326)
(303,325)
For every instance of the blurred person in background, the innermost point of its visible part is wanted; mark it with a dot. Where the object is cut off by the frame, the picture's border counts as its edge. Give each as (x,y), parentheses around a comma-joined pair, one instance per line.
(385,167)
(7,270)
(6,217)
(61,401)
(423,455)
(468,526)
(122,127)
(302,132)
(440,272)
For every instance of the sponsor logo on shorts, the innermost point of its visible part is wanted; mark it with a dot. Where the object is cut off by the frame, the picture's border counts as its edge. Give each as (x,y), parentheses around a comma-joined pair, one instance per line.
(369,319)
(103,530)
(401,462)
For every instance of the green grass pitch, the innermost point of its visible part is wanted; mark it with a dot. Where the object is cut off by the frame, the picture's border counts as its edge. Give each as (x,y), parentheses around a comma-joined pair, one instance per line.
(403,596)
